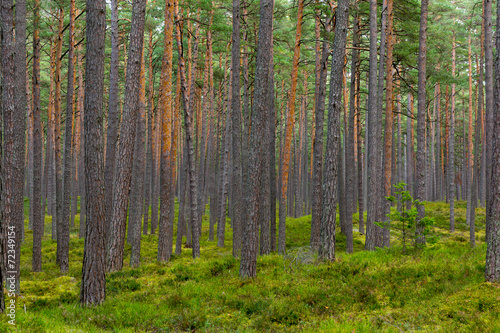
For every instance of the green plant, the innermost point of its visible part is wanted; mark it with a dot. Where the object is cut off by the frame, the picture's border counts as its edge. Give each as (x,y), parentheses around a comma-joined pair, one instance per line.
(406,218)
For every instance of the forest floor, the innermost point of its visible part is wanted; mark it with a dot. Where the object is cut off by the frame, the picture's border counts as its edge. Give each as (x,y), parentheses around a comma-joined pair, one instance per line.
(438,288)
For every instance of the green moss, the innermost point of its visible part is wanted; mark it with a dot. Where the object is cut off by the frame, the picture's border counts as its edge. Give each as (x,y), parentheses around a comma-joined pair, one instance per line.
(438,288)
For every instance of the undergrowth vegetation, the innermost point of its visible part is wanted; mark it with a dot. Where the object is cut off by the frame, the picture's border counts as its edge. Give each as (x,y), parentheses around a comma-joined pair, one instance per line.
(437,288)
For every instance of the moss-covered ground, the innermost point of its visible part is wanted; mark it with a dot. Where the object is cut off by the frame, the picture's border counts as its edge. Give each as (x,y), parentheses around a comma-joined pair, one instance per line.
(439,288)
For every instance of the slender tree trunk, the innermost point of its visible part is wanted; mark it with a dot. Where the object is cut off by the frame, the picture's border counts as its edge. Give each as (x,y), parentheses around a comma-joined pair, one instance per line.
(350,137)
(37,146)
(93,287)
(389,125)
(63,226)
(113,115)
(361,158)
(478,147)
(289,129)
(124,160)
(188,123)
(149,152)
(327,228)
(19,127)
(437,166)
(137,184)
(492,272)
(237,180)
(81,177)
(373,137)
(155,188)
(51,186)
(451,144)
(422,58)
(248,261)
(470,160)
(166,226)
(57,213)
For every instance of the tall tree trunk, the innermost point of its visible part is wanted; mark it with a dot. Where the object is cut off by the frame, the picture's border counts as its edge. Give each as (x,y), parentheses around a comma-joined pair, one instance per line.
(350,137)
(361,158)
(327,228)
(188,124)
(63,225)
(492,272)
(124,160)
(37,146)
(437,166)
(451,144)
(470,160)
(166,225)
(19,127)
(57,136)
(224,170)
(237,181)
(478,146)
(389,125)
(93,287)
(248,261)
(149,152)
(373,137)
(137,184)
(155,188)
(81,177)
(51,207)
(319,105)
(420,182)
(113,115)
(289,130)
